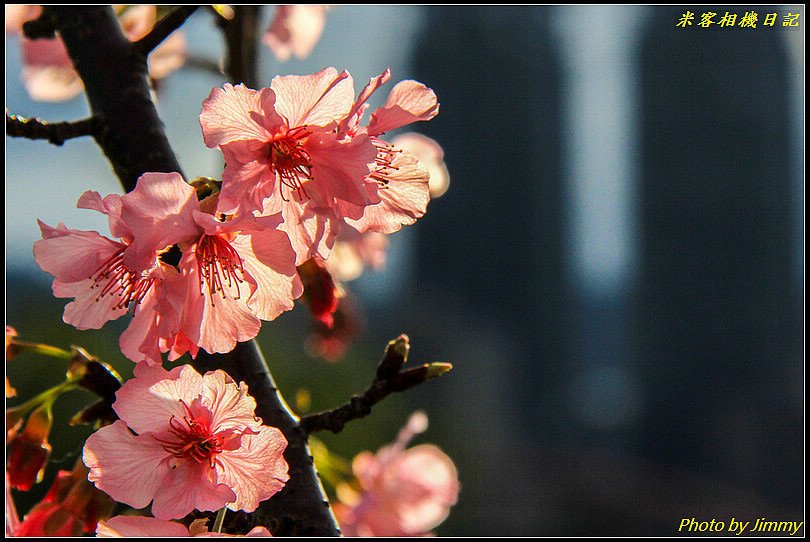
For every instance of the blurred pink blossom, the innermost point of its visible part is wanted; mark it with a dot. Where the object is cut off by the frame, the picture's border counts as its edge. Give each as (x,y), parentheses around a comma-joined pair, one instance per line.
(186,441)
(403,492)
(355,251)
(295,30)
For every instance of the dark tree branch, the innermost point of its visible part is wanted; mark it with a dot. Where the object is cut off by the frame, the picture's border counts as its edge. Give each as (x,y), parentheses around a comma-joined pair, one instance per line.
(115,79)
(55,132)
(389,379)
(242,37)
(163,28)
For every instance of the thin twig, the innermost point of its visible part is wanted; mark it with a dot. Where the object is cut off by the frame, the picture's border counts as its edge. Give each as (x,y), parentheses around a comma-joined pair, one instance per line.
(55,132)
(164,27)
(390,378)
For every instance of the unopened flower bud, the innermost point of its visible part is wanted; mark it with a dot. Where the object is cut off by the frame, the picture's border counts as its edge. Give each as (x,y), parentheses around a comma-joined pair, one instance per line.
(29,450)
(321,294)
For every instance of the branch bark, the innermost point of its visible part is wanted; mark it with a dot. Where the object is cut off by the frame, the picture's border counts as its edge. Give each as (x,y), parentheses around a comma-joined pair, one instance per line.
(132,137)
(54,132)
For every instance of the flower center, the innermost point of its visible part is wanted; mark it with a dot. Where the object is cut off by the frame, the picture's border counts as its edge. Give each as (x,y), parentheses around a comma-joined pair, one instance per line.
(116,280)
(192,439)
(220,266)
(289,160)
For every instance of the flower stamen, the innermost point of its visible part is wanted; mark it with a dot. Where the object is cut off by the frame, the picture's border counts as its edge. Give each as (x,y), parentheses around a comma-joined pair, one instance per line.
(194,440)
(116,280)
(290,161)
(219,265)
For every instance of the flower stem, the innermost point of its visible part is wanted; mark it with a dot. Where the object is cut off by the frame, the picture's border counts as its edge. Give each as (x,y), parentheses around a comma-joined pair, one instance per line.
(44,349)
(47,396)
(219,520)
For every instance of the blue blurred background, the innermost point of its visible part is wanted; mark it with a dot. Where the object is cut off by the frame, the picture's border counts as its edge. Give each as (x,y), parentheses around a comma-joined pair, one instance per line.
(616,273)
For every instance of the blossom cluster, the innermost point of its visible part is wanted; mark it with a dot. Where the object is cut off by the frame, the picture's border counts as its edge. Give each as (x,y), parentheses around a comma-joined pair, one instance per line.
(309,191)
(202,268)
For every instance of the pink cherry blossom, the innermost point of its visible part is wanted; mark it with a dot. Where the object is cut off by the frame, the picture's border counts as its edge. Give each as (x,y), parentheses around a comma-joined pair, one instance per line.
(283,155)
(404,492)
(295,30)
(128,526)
(235,271)
(398,180)
(107,281)
(186,441)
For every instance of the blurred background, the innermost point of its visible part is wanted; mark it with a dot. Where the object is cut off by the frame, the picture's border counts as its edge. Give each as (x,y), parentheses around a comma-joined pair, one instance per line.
(616,272)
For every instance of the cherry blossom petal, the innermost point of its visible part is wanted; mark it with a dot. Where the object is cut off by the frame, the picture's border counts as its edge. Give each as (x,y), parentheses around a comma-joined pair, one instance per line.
(247,179)
(409,101)
(229,402)
(110,205)
(259,531)
(87,310)
(160,210)
(129,468)
(137,20)
(177,345)
(149,400)
(404,198)
(72,255)
(310,232)
(270,260)
(256,470)
(341,166)
(353,251)
(238,113)
(140,341)
(188,487)
(319,99)
(351,121)
(216,322)
(126,526)
(295,30)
